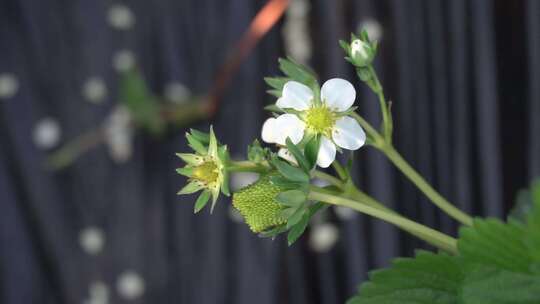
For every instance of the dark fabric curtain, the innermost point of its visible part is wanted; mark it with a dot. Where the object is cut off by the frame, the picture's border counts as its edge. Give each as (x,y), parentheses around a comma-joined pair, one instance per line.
(464,78)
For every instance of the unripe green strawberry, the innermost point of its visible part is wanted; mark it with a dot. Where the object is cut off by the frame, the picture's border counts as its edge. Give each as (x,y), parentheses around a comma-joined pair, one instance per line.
(257,204)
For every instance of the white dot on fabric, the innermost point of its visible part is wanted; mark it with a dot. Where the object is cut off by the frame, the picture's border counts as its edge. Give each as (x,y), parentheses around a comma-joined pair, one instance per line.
(344,213)
(8,85)
(123,60)
(176,92)
(121,17)
(130,285)
(94,90)
(99,293)
(372,27)
(92,240)
(119,134)
(323,237)
(46,133)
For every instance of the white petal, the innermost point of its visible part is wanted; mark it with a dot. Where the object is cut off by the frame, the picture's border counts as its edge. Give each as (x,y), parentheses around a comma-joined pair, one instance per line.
(268,133)
(288,125)
(338,94)
(295,95)
(348,134)
(327,153)
(286,155)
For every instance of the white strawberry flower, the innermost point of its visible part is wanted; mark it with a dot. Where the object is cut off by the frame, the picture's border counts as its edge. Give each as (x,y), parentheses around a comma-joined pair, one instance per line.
(327,118)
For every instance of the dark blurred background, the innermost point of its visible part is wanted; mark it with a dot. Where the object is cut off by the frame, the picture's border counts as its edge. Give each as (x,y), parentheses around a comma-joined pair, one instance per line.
(464,78)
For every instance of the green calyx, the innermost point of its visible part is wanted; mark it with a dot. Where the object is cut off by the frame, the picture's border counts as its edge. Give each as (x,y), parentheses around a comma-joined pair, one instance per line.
(257,204)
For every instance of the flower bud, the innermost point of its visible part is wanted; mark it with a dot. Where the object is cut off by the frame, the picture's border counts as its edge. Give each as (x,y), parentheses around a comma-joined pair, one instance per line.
(362,53)
(257,204)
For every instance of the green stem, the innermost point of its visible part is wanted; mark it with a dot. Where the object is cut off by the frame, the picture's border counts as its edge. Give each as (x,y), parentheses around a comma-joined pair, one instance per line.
(380,143)
(247,166)
(425,187)
(378,89)
(427,234)
(339,170)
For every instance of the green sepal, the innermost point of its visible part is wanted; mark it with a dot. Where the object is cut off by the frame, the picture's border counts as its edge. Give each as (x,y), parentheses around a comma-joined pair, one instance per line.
(196,145)
(191,187)
(275,93)
(274,108)
(273,232)
(276,82)
(202,200)
(292,173)
(191,159)
(212,144)
(298,155)
(200,136)
(186,171)
(312,150)
(298,229)
(284,183)
(291,198)
(296,216)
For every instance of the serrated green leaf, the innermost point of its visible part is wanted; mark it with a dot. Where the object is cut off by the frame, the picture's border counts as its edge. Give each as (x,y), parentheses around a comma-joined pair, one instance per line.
(298,155)
(289,172)
(428,278)
(202,200)
(522,206)
(532,240)
(496,286)
(291,198)
(491,242)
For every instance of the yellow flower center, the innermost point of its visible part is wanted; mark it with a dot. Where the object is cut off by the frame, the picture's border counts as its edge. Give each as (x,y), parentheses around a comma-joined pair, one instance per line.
(206,172)
(320,120)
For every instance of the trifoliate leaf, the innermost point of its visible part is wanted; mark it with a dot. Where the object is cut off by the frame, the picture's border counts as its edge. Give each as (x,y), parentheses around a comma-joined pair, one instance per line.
(428,278)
